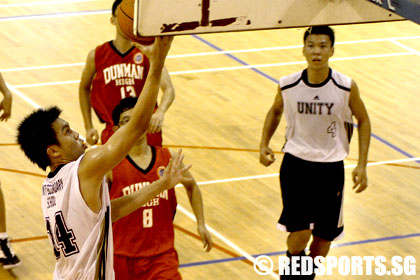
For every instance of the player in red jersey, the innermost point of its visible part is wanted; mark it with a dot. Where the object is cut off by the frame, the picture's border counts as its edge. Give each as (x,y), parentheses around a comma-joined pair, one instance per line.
(144,240)
(113,71)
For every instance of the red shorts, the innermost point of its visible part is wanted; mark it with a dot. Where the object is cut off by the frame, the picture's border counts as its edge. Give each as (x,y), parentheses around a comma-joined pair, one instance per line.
(161,267)
(154,139)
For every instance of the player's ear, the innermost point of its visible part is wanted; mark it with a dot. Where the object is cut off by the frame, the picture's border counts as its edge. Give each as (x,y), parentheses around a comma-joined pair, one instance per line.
(112,20)
(332,51)
(53,151)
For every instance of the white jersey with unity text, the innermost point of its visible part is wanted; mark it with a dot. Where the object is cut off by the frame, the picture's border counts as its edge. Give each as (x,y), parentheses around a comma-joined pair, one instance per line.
(318,116)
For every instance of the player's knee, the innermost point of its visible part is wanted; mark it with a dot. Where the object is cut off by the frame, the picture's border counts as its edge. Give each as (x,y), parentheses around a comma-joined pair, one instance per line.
(320,242)
(297,241)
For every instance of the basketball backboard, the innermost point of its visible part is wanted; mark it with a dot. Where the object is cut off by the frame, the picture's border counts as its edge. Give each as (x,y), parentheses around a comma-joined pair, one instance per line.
(409,9)
(176,17)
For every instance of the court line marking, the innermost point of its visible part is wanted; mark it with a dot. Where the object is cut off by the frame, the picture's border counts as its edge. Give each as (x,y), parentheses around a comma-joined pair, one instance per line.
(291,47)
(249,66)
(227,68)
(234,150)
(391,39)
(215,245)
(44,3)
(242,258)
(353,243)
(176,227)
(407,48)
(23,172)
(224,239)
(386,162)
(277,174)
(42,67)
(48,84)
(55,15)
(30,101)
(23,96)
(222,68)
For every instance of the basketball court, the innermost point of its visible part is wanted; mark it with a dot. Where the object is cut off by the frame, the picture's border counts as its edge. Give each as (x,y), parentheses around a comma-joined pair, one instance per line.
(224,85)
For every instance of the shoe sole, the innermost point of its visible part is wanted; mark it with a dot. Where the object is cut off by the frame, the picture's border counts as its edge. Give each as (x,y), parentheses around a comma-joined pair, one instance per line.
(10,266)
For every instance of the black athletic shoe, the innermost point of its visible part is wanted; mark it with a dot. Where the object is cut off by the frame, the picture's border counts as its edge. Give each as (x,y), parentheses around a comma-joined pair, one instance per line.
(8,258)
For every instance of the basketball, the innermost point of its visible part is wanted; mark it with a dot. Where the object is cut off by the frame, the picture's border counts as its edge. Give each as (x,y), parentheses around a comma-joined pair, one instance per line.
(125,18)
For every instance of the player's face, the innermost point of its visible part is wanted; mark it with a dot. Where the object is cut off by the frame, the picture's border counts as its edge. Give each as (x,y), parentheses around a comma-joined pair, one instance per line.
(124,118)
(318,50)
(71,147)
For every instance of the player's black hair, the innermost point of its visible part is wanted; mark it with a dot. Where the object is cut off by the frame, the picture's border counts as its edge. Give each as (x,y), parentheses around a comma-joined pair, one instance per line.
(115,6)
(320,30)
(125,105)
(35,135)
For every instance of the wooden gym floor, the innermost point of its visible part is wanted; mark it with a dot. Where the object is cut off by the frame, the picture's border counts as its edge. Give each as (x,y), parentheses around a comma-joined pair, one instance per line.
(221,102)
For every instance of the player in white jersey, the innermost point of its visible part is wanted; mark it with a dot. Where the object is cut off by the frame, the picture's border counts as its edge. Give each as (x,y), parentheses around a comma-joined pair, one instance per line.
(75,198)
(318,104)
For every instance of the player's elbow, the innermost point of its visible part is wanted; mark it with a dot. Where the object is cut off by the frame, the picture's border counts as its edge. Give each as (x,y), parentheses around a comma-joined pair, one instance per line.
(364,123)
(190,185)
(275,114)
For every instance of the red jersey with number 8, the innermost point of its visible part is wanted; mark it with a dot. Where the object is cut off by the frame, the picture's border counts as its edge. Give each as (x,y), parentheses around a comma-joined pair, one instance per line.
(148,231)
(118,76)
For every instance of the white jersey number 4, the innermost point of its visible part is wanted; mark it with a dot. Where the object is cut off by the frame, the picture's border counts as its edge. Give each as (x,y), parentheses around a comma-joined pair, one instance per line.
(61,237)
(332,129)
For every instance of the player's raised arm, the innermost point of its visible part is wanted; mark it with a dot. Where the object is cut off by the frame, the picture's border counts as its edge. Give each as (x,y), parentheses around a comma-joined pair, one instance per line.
(97,162)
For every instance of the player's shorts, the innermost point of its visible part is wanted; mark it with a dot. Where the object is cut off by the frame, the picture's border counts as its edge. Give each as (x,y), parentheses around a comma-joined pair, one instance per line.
(153,139)
(312,194)
(160,267)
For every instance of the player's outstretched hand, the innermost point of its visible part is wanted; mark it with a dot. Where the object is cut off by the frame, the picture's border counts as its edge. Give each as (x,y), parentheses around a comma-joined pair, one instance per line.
(158,50)
(266,156)
(6,107)
(205,238)
(156,122)
(92,136)
(173,174)
(360,179)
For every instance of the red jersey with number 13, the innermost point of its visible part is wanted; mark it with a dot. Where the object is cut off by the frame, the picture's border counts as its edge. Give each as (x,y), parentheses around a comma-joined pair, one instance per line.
(118,76)
(148,231)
